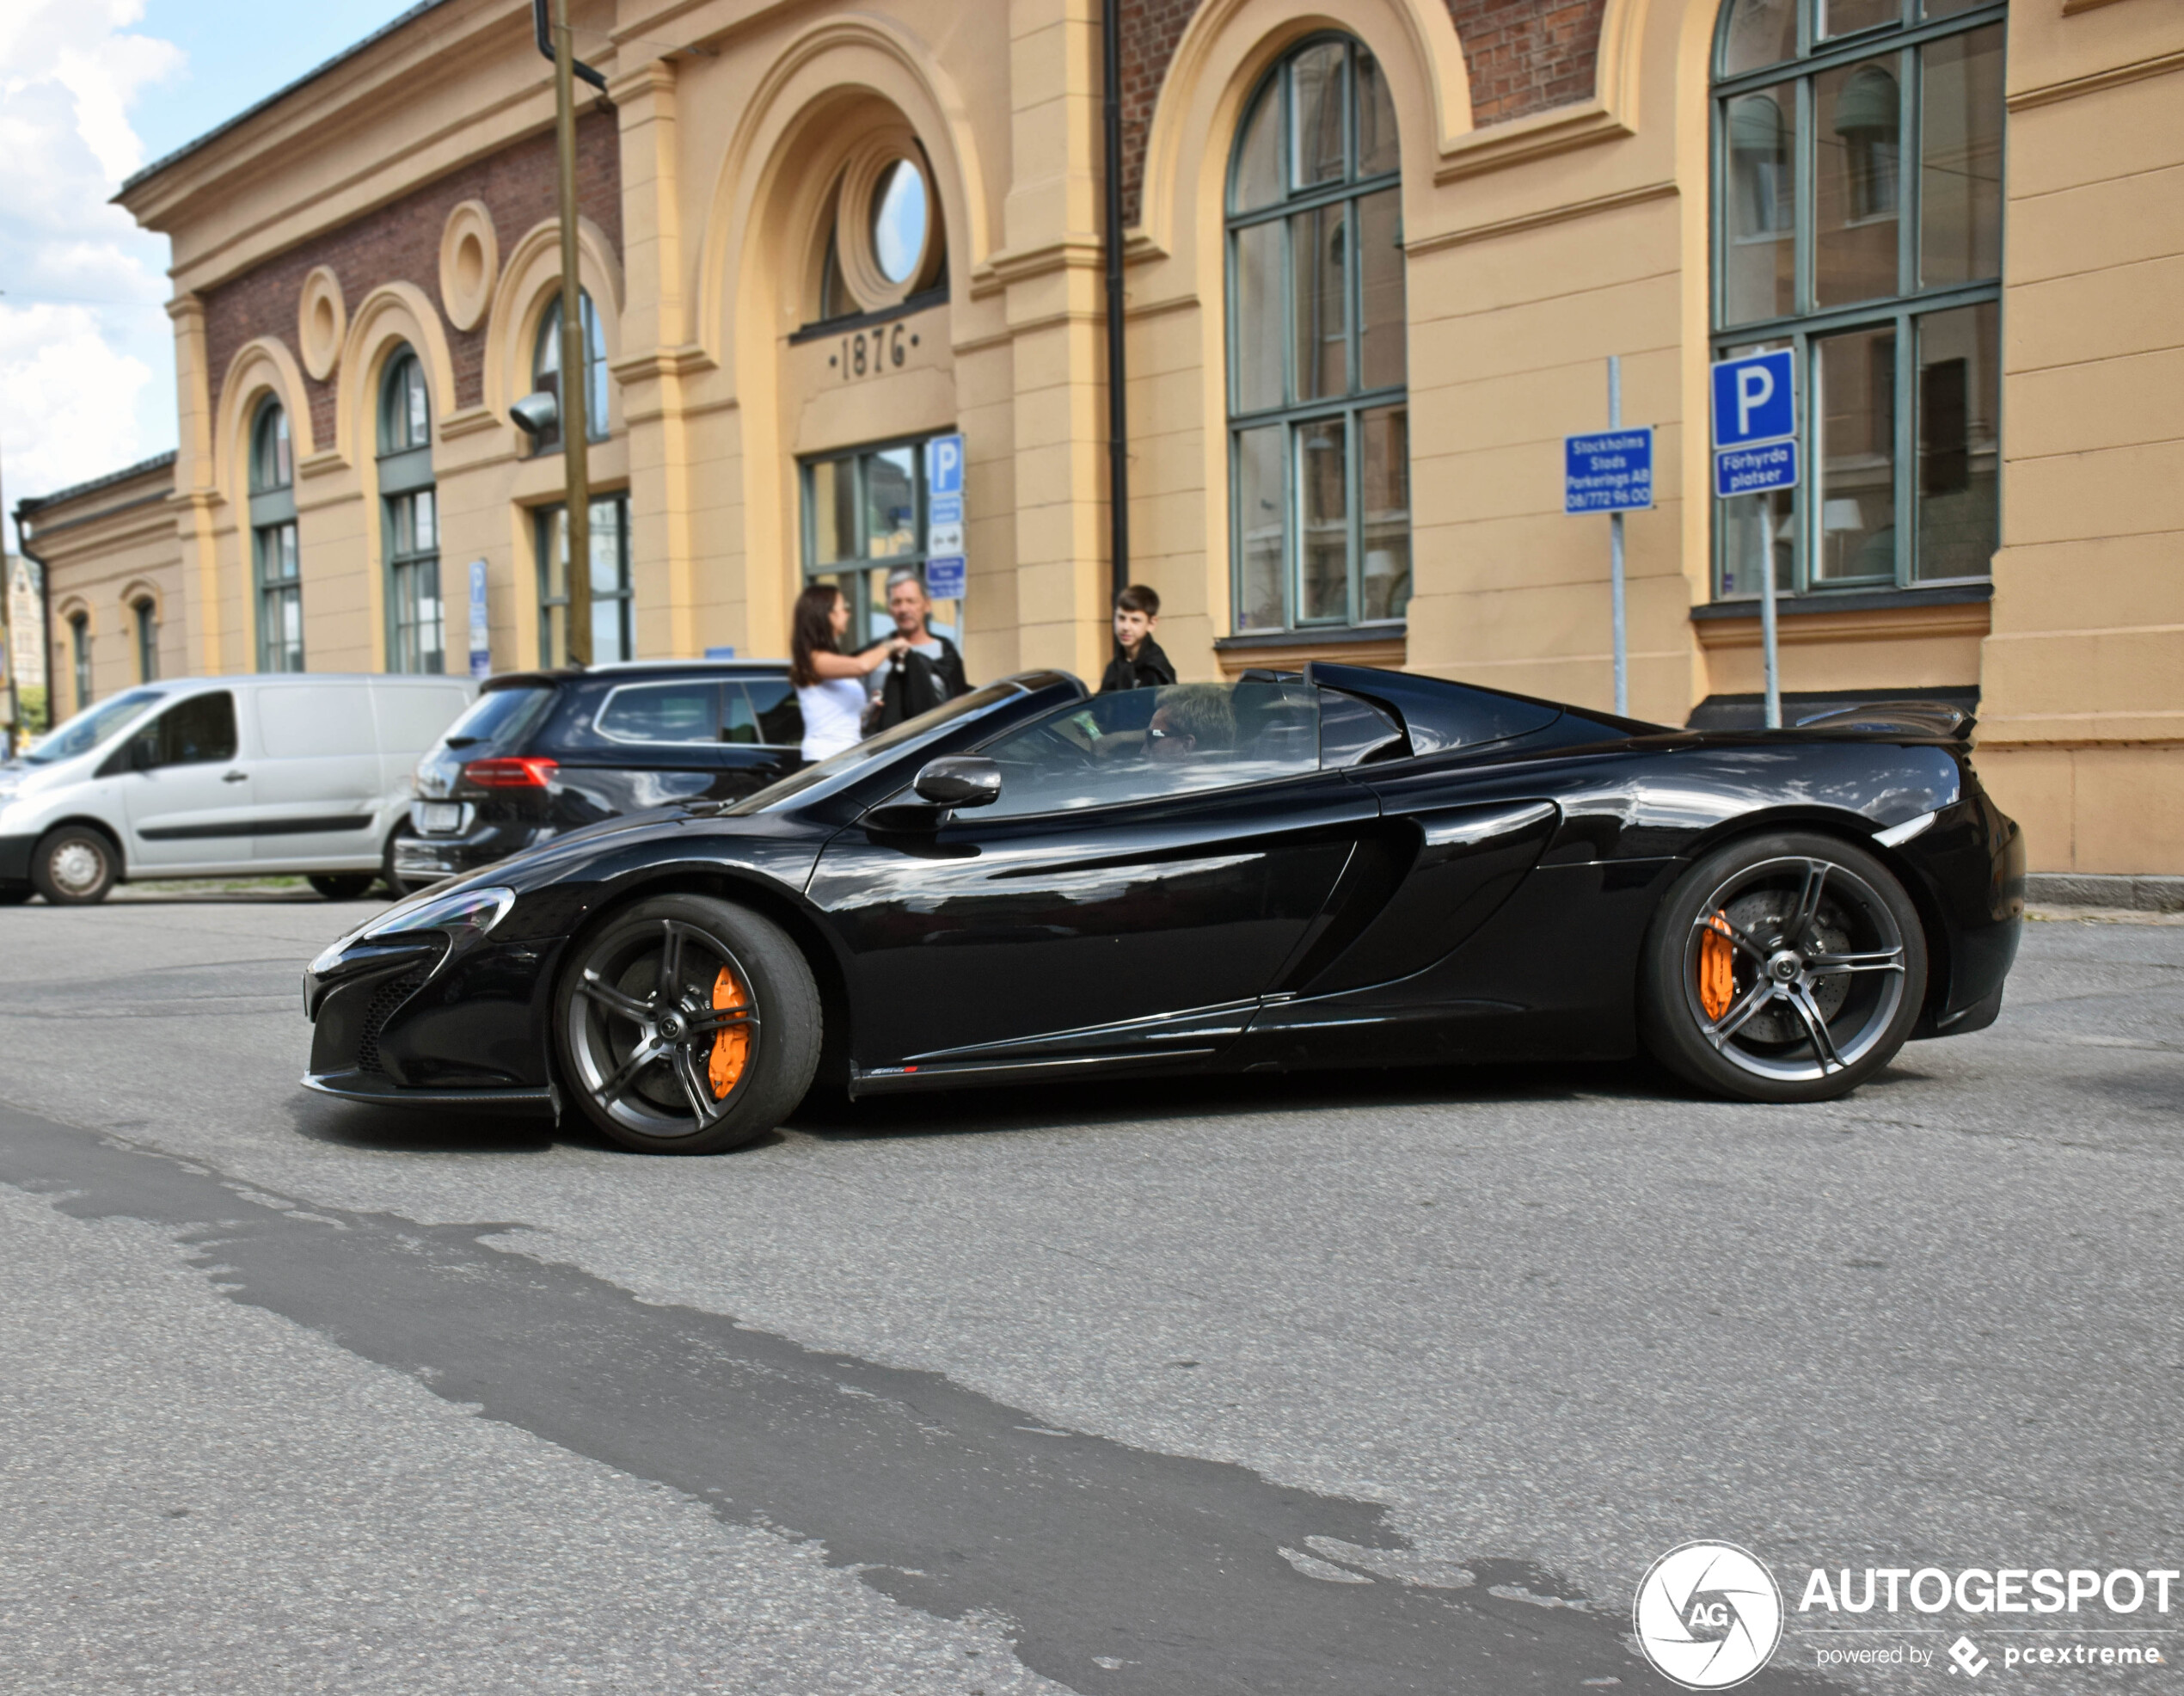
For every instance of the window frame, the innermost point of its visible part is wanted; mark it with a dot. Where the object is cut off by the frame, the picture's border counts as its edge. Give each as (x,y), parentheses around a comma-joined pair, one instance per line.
(598,408)
(146,613)
(1349,192)
(406,481)
(545,530)
(79,627)
(813,568)
(276,557)
(1899,43)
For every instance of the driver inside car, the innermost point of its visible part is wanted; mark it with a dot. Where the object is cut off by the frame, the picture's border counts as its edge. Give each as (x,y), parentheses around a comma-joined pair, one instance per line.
(1191,722)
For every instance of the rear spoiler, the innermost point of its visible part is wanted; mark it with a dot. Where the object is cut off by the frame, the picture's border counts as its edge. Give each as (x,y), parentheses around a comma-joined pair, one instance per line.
(1914,718)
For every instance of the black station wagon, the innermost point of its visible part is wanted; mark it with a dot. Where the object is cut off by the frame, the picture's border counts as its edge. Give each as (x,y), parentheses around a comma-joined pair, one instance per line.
(542,752)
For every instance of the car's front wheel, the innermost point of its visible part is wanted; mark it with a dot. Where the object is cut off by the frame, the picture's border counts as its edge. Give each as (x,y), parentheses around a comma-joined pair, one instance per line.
(74,866)
(1782,968)
(345,886)
(687,1025)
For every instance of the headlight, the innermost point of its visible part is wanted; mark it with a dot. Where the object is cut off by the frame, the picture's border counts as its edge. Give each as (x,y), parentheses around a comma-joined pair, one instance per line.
(466,915)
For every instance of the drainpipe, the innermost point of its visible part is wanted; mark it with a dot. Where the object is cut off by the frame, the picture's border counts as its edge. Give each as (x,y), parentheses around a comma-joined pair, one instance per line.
(1118,405)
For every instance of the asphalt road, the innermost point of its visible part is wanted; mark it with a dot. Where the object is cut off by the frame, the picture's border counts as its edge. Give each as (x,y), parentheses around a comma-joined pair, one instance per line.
(1356,1383)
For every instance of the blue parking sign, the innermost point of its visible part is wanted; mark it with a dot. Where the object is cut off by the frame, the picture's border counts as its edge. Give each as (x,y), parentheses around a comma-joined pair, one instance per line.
(1608,471)
(944,465)
(1754,399)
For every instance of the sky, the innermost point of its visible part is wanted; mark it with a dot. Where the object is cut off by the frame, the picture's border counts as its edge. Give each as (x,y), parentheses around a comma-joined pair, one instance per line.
(91,90)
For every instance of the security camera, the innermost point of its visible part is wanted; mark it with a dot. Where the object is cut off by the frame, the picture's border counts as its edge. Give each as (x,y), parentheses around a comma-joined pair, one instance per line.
(537,414)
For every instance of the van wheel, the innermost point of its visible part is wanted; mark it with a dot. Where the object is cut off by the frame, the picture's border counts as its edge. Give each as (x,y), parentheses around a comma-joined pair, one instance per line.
(687,1026)
(343,886)
(73,866)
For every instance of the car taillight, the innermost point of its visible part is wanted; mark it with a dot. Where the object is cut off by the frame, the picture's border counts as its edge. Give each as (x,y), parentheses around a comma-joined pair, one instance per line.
(509,774)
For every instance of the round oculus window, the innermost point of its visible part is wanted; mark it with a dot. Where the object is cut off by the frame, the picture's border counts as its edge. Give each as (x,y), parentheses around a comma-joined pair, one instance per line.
(899,218)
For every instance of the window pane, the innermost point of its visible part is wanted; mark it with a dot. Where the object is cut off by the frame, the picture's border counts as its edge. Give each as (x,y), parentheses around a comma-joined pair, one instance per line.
(1323,497)
(1960,208)
(1376,150)
(1760,247)
(1754,526)
(833,512)
(686,711)
(1259,329)
(1960,391)
(1262,511)
(1847,17)
(1380,288)
(1322,362)
(420,421)
(427,523)
(890,502)
(1858,182)
(1315,114)
(1384,453)
(1857,456)
(1258,178)
(1761,33)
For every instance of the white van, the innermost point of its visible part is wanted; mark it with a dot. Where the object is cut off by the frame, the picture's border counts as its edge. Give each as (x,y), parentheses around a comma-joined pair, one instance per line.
(219,775)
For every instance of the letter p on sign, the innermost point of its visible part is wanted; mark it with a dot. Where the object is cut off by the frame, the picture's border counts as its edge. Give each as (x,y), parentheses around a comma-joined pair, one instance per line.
(1754,399)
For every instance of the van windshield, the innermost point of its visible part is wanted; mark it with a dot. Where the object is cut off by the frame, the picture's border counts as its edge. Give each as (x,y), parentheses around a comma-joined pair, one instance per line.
(91,727)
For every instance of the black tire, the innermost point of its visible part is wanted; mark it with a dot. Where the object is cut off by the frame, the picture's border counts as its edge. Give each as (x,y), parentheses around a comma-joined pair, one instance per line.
(342,886)
(686,1099)
(74,865)
(1826,966)
(14,894)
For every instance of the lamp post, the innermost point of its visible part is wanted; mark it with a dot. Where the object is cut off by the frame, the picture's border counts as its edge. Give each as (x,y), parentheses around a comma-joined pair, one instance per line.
(558,44)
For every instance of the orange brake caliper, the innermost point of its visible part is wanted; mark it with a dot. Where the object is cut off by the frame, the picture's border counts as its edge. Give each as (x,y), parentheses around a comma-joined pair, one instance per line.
(732,1047)
(1717,968)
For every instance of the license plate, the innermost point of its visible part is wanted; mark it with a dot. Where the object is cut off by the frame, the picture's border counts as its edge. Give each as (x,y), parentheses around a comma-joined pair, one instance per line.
(439,815)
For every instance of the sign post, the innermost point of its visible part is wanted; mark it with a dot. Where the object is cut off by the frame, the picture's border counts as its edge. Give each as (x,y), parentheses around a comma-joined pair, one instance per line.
(946,568)
(480,625)
(1755,448)
(1612,473)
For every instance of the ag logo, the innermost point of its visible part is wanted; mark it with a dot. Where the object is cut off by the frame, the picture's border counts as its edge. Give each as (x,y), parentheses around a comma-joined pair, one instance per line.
(1708,1615)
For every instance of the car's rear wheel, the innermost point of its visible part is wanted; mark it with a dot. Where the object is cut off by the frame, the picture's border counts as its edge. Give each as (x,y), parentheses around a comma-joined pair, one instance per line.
(687,1025)
(342,886)
(1782,968)
(74,866)
(397,886)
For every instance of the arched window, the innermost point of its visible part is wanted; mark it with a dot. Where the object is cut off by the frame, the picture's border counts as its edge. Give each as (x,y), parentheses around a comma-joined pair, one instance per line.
(1319,419)
(276,562)
(79,632)
(415,628)
(546,370)
(147,620)
(1858,222)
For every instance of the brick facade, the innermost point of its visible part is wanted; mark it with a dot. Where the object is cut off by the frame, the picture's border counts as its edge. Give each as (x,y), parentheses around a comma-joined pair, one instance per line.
(1523,57)
(400,243)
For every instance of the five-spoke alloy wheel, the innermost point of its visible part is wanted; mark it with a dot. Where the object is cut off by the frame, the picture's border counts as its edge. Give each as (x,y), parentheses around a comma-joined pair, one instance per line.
(1783,968)
(687,1025)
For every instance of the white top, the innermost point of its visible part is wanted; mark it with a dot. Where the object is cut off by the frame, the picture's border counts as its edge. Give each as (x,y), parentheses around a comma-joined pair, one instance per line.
(833,715)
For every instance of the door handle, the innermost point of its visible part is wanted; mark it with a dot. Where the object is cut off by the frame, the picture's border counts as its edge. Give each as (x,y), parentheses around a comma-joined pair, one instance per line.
(235,777)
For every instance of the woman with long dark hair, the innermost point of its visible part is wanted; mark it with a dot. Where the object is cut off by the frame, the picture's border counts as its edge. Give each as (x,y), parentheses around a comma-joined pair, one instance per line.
(829,683)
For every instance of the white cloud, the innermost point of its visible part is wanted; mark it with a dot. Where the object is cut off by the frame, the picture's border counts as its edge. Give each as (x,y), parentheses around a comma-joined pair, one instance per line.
(86,358)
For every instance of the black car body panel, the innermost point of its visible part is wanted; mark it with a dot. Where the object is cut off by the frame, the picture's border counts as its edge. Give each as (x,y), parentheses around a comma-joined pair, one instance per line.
(1467,876)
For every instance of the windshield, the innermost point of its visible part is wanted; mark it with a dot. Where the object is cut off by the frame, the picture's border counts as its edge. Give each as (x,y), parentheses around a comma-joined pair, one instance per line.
(851,759)
(91,727)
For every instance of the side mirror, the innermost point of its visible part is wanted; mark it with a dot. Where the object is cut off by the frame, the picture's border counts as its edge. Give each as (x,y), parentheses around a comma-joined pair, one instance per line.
(959,780)
(537,414)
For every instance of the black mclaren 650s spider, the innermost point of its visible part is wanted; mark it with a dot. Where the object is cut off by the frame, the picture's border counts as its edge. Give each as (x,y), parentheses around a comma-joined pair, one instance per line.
(1341,867)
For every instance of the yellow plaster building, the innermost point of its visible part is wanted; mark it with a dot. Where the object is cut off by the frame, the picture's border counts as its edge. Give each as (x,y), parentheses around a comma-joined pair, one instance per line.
(1376,258)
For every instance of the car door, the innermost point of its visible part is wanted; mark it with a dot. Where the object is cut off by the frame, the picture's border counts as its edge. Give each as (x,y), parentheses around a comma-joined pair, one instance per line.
(623,747)
(318,777)
(186,789)
(1114,901)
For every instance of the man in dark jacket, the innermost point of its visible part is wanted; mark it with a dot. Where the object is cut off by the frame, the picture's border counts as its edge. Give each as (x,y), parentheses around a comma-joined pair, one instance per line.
(1137,663)
(926,673)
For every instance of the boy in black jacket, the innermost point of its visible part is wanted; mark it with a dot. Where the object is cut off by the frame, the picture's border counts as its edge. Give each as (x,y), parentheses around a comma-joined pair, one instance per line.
(1137,663)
